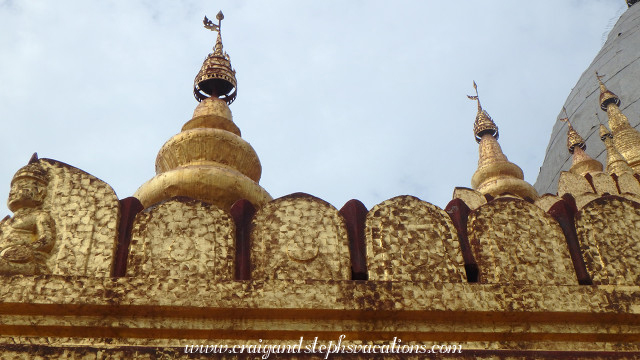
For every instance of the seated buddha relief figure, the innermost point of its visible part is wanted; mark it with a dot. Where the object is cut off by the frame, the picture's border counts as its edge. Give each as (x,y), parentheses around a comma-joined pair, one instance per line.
(27,238)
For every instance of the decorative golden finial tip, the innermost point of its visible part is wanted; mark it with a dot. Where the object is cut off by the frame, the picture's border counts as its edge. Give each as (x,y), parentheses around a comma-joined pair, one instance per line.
(216,78)
(483,124)
(573,138)
(606,96)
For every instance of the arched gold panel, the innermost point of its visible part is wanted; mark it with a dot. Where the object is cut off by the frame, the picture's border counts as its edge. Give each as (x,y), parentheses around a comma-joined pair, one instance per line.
(412,240)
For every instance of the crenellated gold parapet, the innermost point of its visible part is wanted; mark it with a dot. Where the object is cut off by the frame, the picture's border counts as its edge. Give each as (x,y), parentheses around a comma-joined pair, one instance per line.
(212,259)
(584,189)
(585,181)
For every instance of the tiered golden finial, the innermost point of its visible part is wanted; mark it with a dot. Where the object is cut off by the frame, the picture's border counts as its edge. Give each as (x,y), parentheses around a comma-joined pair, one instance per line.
(582,163)
(496,175)
(625,138)
(208,160)
(216,78)
(616,164)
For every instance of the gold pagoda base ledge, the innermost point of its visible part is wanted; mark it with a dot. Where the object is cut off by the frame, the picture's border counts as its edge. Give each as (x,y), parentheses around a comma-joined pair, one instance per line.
(215,185)
(589,317)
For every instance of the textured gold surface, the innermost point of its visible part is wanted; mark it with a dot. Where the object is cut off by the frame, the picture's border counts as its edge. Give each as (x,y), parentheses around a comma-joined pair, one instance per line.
(209,147)
(571,183)
(628,184)
(117,353)
(625,137)
(473,199)
(86,212)
(512,241)
(299,237)
(143,313)
(27,238)
(182,239)
(584,191)
(604,183)
(411,240)
(609,239)
(179,287)
(583,163)
(66,224)
(584,199)
(546,201)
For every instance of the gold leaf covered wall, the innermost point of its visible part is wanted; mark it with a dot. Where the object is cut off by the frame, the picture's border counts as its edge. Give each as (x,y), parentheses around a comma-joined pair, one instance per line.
(65,222)
(514,241)
(182,238)
(299,236)
(86,211)
(608,233)
(411,240)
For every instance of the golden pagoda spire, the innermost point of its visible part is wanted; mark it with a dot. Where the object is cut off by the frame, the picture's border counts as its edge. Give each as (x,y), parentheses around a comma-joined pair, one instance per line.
(625,138)
(582,163)
(216,78)
(208,160)
(208,24)
(495,175)
(616,164)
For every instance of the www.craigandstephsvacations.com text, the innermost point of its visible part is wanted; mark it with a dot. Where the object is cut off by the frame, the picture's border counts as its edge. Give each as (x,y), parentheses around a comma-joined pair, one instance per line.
(338,347)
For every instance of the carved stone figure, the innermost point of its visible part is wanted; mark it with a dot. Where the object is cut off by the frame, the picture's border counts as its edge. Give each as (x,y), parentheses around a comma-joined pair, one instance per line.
(27,238)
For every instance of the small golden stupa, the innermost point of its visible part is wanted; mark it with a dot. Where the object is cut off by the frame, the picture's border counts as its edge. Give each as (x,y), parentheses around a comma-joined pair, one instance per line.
(496,175)
(625,137)
(616,164)
(208,160)
(582,163)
